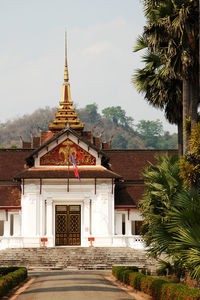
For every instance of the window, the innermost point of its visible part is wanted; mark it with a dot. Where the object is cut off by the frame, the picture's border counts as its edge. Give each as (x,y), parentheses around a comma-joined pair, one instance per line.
(133,227)
(11,224)
(136,227)
(1,228)
(123,224)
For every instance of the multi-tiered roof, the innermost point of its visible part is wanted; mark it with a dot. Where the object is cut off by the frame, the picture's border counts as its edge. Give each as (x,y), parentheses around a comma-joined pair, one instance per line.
(66,115)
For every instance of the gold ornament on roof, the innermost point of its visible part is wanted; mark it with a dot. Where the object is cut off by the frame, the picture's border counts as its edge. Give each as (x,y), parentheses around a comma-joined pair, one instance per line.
(66,112)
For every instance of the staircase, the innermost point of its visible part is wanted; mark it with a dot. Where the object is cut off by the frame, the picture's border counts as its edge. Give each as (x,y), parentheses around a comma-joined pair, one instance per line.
(75,257)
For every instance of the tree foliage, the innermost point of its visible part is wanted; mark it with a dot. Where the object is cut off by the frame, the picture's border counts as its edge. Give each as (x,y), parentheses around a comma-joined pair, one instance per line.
(150,132)
(162,183)
(122,136)
(117,115)
(171,214)
(168,79)
(190,163)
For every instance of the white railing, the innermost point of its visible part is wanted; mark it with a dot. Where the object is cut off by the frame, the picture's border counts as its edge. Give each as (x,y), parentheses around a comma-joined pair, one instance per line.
(133,241)
(11,242)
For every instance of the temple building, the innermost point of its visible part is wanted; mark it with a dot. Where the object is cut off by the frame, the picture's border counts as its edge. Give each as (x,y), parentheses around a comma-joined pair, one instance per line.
(42,201)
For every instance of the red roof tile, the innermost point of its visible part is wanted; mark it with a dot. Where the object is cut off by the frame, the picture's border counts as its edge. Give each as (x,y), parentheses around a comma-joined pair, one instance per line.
(128,195)
(62,172)
(12,161)
(131,163)
(10,196)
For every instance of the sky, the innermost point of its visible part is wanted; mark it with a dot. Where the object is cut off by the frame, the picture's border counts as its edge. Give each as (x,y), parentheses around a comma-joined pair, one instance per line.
(101,35)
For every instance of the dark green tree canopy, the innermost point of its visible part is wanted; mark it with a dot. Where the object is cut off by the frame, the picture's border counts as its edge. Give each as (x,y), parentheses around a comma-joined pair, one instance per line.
(117,115)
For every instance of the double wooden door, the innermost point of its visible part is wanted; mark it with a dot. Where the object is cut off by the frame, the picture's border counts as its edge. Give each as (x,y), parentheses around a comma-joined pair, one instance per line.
(68,225)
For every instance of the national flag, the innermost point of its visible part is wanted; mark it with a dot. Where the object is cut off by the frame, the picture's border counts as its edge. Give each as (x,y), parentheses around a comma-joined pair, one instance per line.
(75,167)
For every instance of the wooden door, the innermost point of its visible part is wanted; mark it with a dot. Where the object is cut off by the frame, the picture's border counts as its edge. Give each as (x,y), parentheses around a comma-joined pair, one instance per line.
(68,225)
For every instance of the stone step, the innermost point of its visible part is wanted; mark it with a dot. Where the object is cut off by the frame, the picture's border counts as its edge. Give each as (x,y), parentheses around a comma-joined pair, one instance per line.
(75,257)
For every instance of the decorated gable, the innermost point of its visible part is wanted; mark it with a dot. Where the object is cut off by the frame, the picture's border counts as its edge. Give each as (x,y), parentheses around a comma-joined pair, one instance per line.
(61,155)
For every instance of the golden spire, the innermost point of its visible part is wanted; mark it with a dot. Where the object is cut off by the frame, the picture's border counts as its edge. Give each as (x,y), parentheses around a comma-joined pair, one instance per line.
(66,115)
(66,74)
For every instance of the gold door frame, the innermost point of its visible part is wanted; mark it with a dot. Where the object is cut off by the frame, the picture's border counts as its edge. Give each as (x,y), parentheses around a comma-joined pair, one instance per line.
(67,225)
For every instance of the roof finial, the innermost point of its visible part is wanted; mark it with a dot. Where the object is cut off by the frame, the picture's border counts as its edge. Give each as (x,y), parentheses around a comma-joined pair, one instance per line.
(66,74)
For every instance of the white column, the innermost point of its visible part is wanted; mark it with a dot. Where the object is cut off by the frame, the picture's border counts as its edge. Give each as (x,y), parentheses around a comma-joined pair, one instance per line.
(16,229)
(43,217)
(86,218)
(38,215)
(127,224)
(49,218)
(118,224)
(113,214)
(7,225)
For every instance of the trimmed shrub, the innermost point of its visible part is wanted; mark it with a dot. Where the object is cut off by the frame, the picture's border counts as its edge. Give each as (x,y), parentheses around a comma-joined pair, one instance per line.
(126,276)
(156,288)
(146,284)
(7,282)
(132,268)
(177,291)
(6,270)
(135,280)
(118,271)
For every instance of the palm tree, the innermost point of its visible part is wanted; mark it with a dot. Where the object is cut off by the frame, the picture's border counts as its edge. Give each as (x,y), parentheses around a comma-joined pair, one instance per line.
(184,227)
(172,34)
(162,183)
(155,82)
(171,214)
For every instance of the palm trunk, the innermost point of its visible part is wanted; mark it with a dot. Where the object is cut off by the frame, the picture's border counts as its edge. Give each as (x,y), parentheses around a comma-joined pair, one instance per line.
(194,102)
(180,138)
(186,104)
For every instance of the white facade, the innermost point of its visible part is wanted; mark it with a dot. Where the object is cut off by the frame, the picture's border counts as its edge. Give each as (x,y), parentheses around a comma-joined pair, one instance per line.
(98,217)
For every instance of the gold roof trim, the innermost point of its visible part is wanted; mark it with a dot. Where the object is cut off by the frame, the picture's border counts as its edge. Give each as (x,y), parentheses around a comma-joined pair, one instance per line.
(66,114)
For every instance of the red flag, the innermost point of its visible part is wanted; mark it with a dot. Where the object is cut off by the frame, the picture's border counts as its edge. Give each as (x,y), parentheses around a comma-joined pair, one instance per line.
(75,167)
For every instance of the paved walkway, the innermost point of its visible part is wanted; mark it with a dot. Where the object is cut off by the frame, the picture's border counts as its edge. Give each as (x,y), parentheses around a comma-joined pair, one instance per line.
(73,285)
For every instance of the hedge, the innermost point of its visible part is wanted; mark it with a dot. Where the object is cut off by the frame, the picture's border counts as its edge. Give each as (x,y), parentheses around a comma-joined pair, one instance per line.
(135,280)
(157,288)
(11,279)
(6,270)
(117,271)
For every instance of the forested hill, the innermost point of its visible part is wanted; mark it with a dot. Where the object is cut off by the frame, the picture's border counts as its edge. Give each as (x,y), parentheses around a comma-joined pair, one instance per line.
(111,124)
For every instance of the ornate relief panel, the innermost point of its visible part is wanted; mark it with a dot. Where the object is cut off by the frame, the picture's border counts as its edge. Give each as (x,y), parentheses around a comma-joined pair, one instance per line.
(61,155)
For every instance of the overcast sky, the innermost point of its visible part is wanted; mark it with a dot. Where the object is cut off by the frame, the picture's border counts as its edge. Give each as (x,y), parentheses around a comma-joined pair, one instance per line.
(101,36)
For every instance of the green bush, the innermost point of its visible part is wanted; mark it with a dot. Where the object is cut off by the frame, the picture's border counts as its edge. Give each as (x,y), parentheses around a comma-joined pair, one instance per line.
(146,284)
(157,288)
(10,280)
(6,270)
(132,268)
(118,271)
(135,280)
(120,274)
(126,276)
(179,292)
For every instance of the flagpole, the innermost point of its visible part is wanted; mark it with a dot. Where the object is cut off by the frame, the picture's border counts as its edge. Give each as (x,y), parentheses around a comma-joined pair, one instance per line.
(68,174)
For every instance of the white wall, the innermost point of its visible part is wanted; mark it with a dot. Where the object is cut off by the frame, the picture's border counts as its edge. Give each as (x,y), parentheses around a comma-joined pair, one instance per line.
(38,210)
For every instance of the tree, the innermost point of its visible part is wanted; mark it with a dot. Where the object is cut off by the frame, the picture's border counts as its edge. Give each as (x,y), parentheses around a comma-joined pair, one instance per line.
(190,163)
(119,141)
(159,89)
(150,131)
(171,214)
(117,115)
(91,109)
(162,183)
(171,24)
